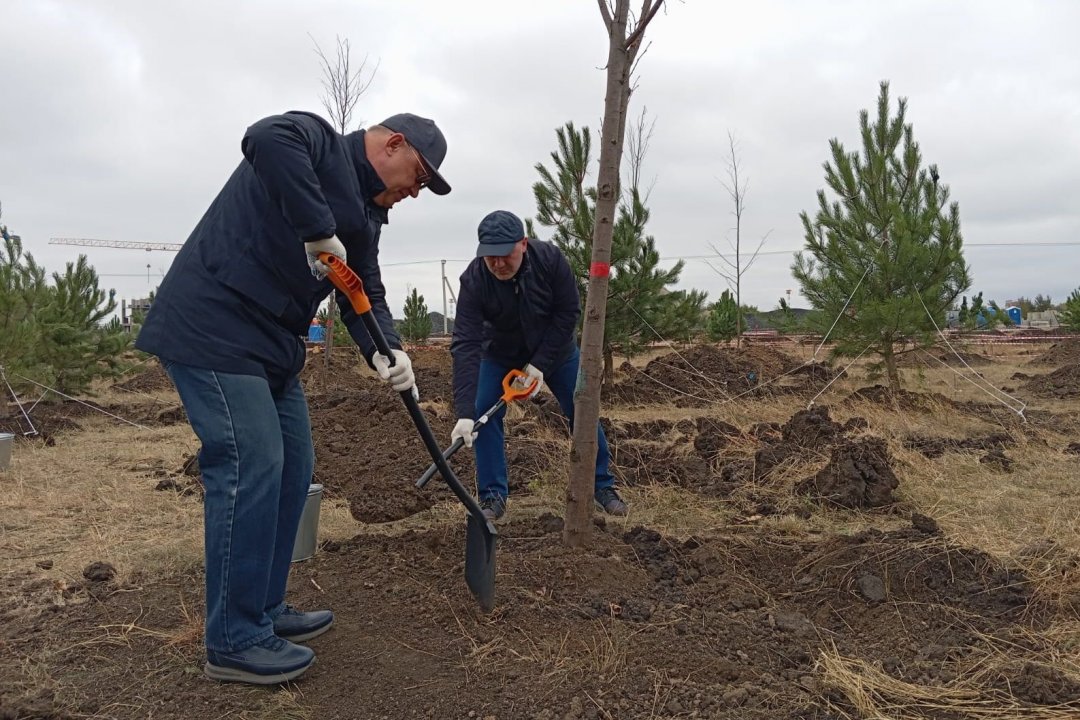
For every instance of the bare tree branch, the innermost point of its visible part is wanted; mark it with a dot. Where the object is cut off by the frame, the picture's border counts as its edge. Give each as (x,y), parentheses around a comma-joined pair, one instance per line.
(637,145)
(634,64)
(342,85)
(605,12)
(649,8)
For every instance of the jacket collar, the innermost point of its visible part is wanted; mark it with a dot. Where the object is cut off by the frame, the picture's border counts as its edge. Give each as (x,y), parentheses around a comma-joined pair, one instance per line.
(370,184)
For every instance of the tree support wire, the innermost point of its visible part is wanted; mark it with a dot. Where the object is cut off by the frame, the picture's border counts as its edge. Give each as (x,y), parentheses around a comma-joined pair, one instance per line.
(68,397)
(33,430)
(989,389)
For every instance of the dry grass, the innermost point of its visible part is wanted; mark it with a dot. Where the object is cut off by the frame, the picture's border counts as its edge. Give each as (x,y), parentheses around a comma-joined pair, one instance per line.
(83,500)
(875,695)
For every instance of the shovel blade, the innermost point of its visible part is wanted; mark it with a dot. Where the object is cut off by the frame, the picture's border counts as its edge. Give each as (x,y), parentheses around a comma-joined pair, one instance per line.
(480,562)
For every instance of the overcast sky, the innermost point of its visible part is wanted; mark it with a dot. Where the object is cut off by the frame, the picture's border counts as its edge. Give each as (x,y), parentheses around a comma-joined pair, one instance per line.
(121,119)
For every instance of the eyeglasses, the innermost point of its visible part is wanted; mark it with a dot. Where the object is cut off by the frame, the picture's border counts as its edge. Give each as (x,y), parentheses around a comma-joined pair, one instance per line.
(423,177)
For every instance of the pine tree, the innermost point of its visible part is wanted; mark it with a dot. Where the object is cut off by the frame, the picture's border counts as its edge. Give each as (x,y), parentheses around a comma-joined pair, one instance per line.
(786,321)
(641,307)
(890,242)
(723,319)
(22,290)
(75,343)
(1042,303)
(964,313)
(416,327)
(1070,313)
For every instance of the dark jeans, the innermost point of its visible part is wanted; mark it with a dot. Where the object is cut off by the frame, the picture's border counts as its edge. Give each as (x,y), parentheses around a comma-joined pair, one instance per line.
(491,477)
(256,462)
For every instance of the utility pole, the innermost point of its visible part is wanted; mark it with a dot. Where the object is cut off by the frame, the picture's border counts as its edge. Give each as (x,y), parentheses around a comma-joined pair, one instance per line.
(446,290)
(445,321)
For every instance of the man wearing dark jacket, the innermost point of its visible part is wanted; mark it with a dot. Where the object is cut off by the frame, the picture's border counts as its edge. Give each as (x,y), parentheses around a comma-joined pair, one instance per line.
(227,325)
(518,307)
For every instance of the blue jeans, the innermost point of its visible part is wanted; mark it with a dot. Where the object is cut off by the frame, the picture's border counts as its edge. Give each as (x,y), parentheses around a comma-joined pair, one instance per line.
(256,461)
(491,477)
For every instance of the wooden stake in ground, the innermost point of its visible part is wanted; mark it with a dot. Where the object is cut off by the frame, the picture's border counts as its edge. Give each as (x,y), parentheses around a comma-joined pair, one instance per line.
(622,52)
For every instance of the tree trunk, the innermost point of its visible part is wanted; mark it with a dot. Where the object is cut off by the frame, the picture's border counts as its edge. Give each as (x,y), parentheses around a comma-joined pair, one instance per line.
(609,364)
(890,369)
(577,528)
(5,406)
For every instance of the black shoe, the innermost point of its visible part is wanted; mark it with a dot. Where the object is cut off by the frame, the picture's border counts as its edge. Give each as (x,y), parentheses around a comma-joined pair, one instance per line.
(494,507)
(296,626)
(609,501)
(269,662)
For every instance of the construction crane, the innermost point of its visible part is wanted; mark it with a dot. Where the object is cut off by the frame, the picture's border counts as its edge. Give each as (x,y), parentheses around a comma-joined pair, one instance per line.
(89,242)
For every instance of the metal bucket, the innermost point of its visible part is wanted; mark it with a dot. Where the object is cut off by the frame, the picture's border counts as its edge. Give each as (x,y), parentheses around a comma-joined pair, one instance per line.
(307,535)
(6,441)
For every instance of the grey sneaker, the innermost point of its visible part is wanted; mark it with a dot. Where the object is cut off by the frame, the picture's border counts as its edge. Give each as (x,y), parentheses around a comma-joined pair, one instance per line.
(609,501)
(494,507)
(272,661)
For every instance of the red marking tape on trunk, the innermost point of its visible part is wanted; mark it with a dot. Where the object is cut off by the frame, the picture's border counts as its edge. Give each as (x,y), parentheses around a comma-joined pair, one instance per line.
(598,269)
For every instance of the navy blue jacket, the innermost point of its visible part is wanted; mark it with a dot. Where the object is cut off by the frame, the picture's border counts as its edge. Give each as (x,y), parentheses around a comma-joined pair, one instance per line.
(239,295)
(530,318)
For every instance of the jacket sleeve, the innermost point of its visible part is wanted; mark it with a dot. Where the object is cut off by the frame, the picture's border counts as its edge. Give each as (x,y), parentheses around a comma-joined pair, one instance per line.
(565,311)
(367,267)
(467,347)
(284,151)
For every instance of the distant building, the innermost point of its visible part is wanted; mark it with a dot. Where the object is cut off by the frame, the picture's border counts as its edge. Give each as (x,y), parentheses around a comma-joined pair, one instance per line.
(1046,319)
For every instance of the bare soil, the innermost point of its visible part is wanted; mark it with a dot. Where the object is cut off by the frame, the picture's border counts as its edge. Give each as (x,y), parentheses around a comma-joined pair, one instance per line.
(1066,352)
(1063,383)
(733,620)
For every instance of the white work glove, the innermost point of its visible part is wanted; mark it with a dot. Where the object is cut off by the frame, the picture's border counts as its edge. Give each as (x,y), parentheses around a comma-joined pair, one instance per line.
(532,373)
(330,245)
(400,376)
(464,430)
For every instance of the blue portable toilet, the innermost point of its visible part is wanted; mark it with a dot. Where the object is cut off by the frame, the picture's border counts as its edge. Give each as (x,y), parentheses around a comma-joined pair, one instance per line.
(316,331)
(1014,314)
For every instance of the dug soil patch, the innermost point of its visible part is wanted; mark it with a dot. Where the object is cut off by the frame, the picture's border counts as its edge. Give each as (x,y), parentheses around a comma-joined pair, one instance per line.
(699,375)
(1063,383)
(1066,352)
(635,626)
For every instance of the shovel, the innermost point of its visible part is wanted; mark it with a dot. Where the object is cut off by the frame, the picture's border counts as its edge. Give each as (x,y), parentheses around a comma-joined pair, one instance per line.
(480,533)
(510,394)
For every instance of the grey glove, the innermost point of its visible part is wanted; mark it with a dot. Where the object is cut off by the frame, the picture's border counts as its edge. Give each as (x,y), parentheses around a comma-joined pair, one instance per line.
(330,245)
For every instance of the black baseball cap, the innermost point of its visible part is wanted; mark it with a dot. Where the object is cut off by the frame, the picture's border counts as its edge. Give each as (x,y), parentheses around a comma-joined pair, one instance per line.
(425,136)
(499,232)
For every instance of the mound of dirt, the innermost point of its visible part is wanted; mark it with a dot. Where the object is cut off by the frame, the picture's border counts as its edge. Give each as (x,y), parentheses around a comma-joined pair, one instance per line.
(1063,383)
(807,431)
(368,450)
(365,414)
(698,376)
(148,377)
(859,475)
(1066,352)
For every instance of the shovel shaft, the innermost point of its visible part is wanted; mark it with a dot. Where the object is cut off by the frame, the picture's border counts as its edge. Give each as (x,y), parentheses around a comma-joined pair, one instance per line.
(457,444)
(422,426)
(433,468)
(480,534)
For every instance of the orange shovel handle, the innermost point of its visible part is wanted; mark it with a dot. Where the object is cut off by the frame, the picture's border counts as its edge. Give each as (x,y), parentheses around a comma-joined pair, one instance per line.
(510,392)
(346,281)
